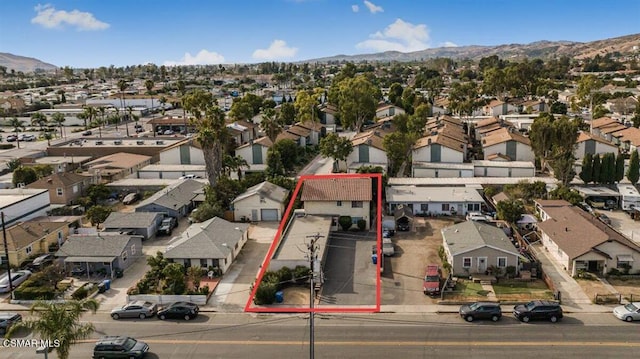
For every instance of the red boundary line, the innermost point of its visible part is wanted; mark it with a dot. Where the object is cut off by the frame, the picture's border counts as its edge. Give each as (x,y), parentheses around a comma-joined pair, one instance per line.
(265,263)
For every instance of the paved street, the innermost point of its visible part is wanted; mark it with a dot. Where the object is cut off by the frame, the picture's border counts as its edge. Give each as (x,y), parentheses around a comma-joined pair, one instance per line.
(366,336)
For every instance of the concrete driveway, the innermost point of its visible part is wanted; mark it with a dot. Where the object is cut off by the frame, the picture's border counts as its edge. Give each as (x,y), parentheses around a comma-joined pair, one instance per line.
(623,223)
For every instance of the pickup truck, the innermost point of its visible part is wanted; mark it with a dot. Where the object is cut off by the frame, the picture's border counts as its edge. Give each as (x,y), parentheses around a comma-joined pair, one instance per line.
(167,225)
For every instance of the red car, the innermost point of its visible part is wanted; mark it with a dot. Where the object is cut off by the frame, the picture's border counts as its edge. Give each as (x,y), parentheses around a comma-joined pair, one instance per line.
(431,285)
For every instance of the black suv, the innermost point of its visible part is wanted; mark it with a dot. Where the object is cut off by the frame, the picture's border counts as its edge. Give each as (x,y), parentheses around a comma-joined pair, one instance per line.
(481,310)
(538,310)
(119,347)
(7,320)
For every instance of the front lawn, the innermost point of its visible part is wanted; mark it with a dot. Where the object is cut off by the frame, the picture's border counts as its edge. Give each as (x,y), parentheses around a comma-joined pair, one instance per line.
(514,290)
(466,291)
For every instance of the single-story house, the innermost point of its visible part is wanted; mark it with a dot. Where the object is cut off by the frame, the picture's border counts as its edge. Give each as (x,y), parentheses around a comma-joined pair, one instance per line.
(474,247)
(262,202)
(176,200)
(144,224)
(338,197)
(97,252)
(435,200)
(64,187)
(32,238)
(212,243)
(182,153)
(577,240)
(116,166)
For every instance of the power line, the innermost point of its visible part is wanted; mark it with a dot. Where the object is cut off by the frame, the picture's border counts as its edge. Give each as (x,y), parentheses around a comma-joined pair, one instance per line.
(312,247)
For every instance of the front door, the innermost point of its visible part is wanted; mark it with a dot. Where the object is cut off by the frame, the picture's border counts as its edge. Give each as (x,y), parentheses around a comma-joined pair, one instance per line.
(593,266)
(254,215)
(482,264)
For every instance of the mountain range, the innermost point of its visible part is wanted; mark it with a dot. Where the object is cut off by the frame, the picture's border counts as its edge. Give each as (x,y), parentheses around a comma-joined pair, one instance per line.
(541,49)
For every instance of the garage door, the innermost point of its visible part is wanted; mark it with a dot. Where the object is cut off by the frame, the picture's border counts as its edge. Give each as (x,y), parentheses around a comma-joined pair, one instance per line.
(269,214)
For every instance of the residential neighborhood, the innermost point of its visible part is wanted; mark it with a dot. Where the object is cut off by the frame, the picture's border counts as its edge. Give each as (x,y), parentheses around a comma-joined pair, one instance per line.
(413,190)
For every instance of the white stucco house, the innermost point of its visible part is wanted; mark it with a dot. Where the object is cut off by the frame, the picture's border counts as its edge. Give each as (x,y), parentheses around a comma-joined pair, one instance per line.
(507,142)
(182,154)
(338,197)
(438,148)
(388,111)
(262,202)
(368,150)
(590,144)
(255,153)
(434,200)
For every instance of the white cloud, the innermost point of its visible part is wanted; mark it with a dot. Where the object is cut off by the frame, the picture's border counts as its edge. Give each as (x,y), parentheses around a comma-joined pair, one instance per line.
(448,44)
(277,50)
(49,17)
(400,36)
(373,8)
(203,57)
(355,8)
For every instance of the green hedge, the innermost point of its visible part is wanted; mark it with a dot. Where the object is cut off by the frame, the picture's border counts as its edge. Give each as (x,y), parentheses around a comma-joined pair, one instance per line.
(6,146)
(34,293)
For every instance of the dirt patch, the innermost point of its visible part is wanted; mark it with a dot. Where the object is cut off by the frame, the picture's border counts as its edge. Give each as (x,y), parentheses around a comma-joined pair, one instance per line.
(592,287)
(626,287)
(296,295)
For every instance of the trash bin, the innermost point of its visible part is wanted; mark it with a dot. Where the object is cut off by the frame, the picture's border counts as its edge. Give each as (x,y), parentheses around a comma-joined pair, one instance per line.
(118,272)
(279,296)
(107,284)
(374,258)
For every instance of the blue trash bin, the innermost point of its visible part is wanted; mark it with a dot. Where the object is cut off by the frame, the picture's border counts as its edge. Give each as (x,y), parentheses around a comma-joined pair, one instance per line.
(279,296)
(374,258)
(107,284)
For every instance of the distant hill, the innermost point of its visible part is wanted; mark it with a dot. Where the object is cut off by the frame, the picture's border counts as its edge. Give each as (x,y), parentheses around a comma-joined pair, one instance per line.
(538,49)
(24,64)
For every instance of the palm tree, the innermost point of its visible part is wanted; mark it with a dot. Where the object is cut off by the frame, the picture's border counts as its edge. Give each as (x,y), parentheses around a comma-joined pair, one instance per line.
(89,114)
(58,119)
(149,85)
(122,85)
(162,100)
(129,117)
(38,119)
(234,163)
(17,125)
(102,111)
(182,92)
(47,136)
(59,323)
(271,124)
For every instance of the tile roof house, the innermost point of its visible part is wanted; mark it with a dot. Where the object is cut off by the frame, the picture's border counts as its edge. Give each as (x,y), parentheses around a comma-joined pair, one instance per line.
(117,166)
(255,153)
(176,200)
(577,240)
(629,138)
(368,150)
(32,238)
(64,187)
(474,247)
(144,224)
(107,252)
(262,202)
(212,243)
(508,142)
(587,143)
(388,110)
(338,197)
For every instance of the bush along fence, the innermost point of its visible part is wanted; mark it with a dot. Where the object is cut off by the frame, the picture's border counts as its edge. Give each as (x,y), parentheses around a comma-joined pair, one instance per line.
(615,298)
(272,282)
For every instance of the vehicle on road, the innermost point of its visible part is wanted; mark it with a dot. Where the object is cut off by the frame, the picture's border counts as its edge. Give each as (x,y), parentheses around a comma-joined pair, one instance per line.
(179,310)
(138,309)
(538,310)
(481,310)
(119,347)
(139,130)
(8,319)
(17,278)
(585,207)
(130,198)
(628,312)
(432,278)
(190,176)
(168,132)
(26,137)
(12,138)
(41,262)
(87,133)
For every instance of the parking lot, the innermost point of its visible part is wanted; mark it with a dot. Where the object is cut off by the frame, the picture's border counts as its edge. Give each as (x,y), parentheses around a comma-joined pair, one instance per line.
(622,222)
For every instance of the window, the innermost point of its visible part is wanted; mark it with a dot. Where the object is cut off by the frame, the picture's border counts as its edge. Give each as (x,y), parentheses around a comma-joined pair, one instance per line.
(356,204)
(133,249)
(339,203)
(502,262)
(59,236)
(124,256)
(29,249)
(355,220)
(445,207)
(59,191)
(203,263)
(424,207)
(75,188)
(473,207)
(466,262)
(262,200)
(622,264)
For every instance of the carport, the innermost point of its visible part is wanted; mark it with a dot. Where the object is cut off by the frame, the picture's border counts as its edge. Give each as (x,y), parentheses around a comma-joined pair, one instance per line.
(599,197)
(403,216)
(83,262)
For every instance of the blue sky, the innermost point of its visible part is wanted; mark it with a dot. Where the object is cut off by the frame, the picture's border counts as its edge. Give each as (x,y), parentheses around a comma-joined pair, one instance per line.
(90,33)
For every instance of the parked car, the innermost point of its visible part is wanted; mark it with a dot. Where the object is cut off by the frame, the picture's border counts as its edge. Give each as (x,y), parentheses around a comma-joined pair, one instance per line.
(26,137)
(17,278)
(628,313)
(41,262)
(604,219)
(585,207)
(137,125)
(478,217)
(190,176)
(78,271)
(8,319)
(87,133)
(404,226)
(119,347)
(139,130)
(538,310)
(168,132)
(12,138)
(130,198)
(179,310)
(481,310)
(431,283)
(138,309)
(388,249)
(167,225)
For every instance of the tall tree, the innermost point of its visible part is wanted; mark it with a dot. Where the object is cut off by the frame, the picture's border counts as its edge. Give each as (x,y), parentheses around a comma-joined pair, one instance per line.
(597,170)
(59,322)
(464,98)
(619,167)
(122,86)
(234,163)
(38,119)
(148,84)
(272,125)
(510,210)
(89,113)
(335,147)
(18,125)
(586,87)
(587,169)
(395,94)
(211,132)
(358,98)
(58,119)
(98,214)
(305,105)
(287,113)
(633,173)
(542,137)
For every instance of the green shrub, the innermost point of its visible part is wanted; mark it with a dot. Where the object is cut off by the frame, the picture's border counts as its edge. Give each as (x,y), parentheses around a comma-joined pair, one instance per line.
(6,146)
(271,277)
(204,290)
(266,293)
(301,274)
(345,222)
(34,293)
(285,274)
(362,224)
(80,293)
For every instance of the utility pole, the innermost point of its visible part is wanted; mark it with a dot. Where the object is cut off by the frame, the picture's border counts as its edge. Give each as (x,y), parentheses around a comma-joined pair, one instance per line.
(312,293)
(6,254)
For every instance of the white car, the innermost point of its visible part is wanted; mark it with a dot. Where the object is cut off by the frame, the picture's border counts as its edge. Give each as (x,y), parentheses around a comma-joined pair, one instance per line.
(17,277)
(629,312)
(478,217)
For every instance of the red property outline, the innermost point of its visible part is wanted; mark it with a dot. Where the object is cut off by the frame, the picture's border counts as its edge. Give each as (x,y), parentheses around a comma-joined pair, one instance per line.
(265,263)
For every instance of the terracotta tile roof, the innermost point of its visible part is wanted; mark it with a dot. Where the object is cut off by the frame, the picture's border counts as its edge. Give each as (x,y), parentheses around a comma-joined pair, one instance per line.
(486,122)
(585,136)
(329,108)
(299,130)
(631,135)
(314,126)
(287,136)
(546,203)
(602,121)
(246,123)
(372,138)
(504,135)
(614,127)
(263,141)
(494,156)
(495,103)
(441,140)
(337,189)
